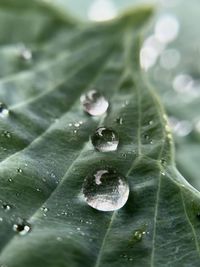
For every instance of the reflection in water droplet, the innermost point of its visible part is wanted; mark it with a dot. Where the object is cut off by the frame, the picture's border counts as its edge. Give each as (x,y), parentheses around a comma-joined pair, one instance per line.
(106,190)
(101,10)
(105,139)
(170,58)
(94,103)
(167,28)
(22,228)
(3,110)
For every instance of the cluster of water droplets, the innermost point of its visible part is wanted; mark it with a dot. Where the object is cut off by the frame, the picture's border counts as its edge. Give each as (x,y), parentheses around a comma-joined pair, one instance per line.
(105,189)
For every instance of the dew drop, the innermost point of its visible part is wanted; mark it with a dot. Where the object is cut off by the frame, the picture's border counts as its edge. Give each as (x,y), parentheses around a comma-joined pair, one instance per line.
(6,134)
(19,170)
(22,228)
(3,110)
(138,235)
(25,53)
(105,139)
(119,120)
(106,190)
(94,103)
(6,207)
(44,209)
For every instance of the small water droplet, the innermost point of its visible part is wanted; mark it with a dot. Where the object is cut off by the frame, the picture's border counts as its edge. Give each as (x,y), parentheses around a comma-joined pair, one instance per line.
(94,103)
(138,235)
(119,120)
(106,190)
(3,110)
(23,227)
(105,139)
(150,122)
(6,207)
(6,134)
(45,209)
(10,180)
(25,53)
(19,170)
(1,219)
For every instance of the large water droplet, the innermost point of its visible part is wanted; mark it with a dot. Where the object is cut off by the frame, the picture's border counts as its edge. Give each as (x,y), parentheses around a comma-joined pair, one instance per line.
(3,110)
(105,139)
(106,190)
(23,227)
(94,103)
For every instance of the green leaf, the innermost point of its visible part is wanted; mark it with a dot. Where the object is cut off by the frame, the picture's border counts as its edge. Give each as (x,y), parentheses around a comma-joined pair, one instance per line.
(45,157)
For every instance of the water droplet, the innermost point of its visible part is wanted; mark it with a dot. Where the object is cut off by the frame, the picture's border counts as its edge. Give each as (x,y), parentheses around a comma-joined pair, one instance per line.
(3,110)
(138,235)
(94,103)
(45,209)
(19,170)
(76,124)
(150,122)
(1,219)
(25,53)
(6,207)
(6,134)
(22,228)
(106,190)
(119,120)
(105,139)
(163,161)
(10,180)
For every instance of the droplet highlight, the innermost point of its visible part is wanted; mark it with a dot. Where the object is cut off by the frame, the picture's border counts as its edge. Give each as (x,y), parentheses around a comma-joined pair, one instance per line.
(106,190)
(94,103)
(105,139)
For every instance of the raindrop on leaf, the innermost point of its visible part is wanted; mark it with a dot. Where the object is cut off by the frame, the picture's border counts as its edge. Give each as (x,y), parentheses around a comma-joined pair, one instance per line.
(94,103)
(106,190)
(105,139)
(22,228)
